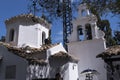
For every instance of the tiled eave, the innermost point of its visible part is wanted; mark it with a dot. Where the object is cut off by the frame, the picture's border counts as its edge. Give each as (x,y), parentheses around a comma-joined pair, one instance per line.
(29,17)
(27,52)
(63,56)
(27,49)
(37,61)
(111,51)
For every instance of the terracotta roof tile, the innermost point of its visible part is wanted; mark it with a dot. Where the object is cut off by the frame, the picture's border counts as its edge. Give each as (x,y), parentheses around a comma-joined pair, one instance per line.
(114,50)
(27,48)
(37,61)
(26,52)
(29,16)
(64,55)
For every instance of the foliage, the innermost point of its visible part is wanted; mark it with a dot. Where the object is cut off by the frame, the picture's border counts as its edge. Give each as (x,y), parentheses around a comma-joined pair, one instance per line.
(104,6)
(2,39)
(115,7)
(104,25)
(55,7)
(117,37)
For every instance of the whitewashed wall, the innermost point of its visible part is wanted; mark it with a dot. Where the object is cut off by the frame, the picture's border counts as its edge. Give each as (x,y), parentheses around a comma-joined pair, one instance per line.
(56,49)
(71,72)
(37,72)
(86,52)
(31,35)
(11,59)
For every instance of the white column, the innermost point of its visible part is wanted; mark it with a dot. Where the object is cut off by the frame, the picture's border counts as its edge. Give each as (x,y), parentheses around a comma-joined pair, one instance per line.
(94,30)
(88,12)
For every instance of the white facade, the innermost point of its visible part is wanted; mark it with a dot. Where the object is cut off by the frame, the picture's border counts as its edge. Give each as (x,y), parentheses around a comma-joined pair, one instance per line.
(86,42)
(56,49)
(33,34)
(72,71)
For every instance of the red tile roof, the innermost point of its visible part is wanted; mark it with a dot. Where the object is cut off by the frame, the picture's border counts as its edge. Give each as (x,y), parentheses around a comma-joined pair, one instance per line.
(26,52)
(63,55)
(29,17)
(114,50)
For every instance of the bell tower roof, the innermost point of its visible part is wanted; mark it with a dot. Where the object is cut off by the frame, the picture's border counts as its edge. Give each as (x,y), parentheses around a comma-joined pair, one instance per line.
(83,10)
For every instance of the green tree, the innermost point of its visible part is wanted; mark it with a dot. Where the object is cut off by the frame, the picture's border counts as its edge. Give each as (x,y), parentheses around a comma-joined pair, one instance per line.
(117,37)
(54,7)
(2,39)
(105,6)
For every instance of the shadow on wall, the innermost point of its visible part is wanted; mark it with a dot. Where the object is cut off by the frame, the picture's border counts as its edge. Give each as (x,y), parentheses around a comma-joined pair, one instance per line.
(57,77)
(48,79)
(45,79)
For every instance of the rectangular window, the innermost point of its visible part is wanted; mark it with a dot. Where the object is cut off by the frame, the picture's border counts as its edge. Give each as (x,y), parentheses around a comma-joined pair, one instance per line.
(10,72)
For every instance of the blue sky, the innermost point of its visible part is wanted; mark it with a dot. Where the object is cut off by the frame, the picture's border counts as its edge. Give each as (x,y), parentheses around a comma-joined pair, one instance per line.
(10,8)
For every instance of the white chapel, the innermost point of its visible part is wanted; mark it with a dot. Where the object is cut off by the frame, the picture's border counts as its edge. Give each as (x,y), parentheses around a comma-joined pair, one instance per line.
(27,53)
(87,41)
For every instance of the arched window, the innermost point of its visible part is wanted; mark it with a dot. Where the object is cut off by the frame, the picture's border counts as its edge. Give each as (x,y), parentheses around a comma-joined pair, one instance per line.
(88,31)
(80,33)
(43,37)
(11,35)
(83,13)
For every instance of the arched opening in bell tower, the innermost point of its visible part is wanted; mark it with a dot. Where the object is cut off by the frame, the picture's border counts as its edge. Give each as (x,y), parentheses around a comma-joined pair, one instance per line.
(88,31)
(43,37)
(84,13)
(11,35)
(80,33)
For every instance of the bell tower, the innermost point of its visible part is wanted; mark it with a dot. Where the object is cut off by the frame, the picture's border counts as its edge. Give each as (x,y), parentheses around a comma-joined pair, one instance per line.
(85,27)
(86,41)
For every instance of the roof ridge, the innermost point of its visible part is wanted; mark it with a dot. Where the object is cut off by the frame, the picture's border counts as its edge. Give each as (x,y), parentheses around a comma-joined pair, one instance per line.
(37,19)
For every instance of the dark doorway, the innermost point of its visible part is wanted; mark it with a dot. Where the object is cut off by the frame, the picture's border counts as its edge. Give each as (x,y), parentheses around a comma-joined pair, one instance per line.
(88,31)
